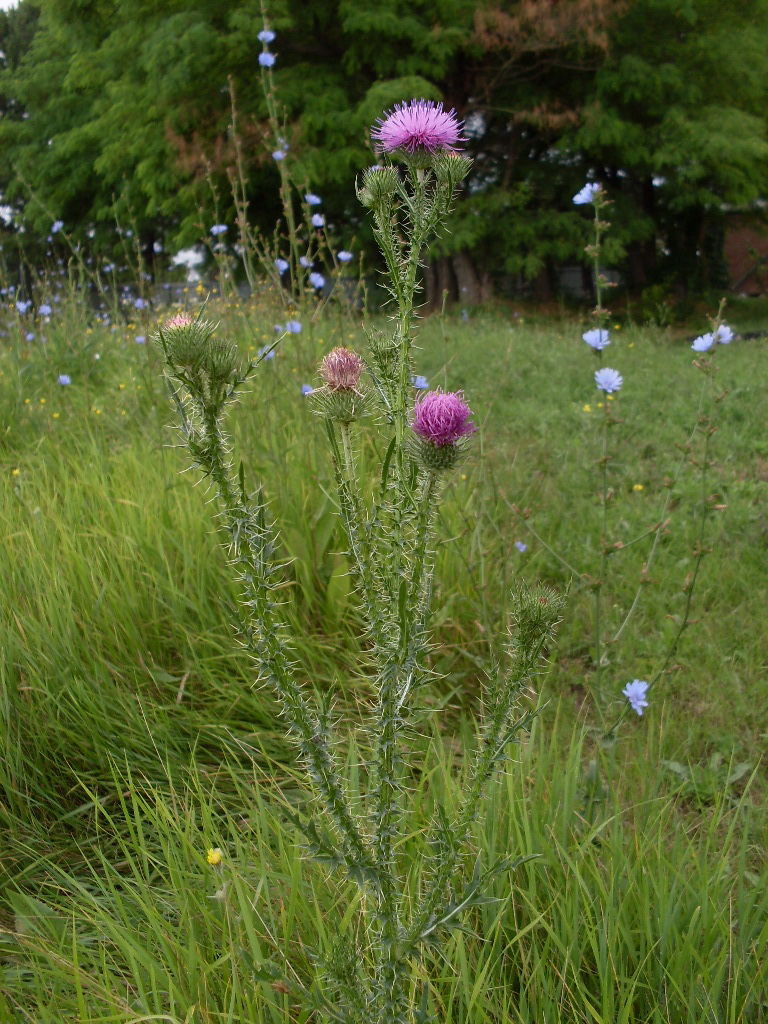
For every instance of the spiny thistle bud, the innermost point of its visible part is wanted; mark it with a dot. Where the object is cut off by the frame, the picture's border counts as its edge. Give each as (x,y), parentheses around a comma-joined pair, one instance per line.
(207,365)
(341,369)
(535,614)
(383,348)
(440,423)
(451,168)
(185,342)
(379,185)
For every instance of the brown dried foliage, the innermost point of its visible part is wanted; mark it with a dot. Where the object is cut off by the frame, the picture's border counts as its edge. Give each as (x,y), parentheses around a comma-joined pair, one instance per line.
(535,26)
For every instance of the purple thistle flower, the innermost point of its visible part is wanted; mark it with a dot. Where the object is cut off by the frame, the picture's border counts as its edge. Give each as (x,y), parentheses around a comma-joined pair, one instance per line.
(317,280)
(312,200)
(635,693)
(598,338)
(266,36)
(181,320)
(282,265)
(341,369)
(442,417)
(267,59)
(318,220)
(417,127)
(587,194)
(608,380)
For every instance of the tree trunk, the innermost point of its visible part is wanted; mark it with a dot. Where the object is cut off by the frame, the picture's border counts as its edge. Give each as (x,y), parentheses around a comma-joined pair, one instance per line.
(466,279)
(438,279)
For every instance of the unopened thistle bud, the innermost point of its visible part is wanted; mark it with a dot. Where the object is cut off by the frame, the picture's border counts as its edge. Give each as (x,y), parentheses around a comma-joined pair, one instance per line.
(379,185)
(441,421)
(208,366)
(451,168)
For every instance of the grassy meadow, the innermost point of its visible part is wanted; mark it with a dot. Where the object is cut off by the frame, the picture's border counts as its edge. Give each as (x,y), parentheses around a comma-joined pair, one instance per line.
(134,739)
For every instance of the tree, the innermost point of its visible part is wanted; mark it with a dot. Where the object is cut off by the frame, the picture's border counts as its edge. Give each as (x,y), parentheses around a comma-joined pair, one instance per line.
(122,110)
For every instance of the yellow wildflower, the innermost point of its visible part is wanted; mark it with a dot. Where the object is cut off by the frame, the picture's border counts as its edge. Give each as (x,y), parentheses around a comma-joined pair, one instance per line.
(214,856)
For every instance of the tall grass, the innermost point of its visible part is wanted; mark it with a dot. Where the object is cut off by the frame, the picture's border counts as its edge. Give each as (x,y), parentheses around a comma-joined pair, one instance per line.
(652,915)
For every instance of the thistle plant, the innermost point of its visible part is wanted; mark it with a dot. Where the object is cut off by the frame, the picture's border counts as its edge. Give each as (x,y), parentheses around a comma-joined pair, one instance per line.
(391,540)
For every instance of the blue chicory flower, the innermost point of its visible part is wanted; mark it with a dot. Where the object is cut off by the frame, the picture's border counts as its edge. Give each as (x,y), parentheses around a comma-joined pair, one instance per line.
(587,194)
(266,36)
(598,338)
(219,229)
(56,226)
(307,389)
(22,306)
(282,265)
(317,280)
(305,261)
(45,309)
(140,339)
(703,343)
(267,59)
(30,336)
(140,303)
(724,334)
(278,155)
(312,200)
(521,546)
(65,380)
(318,220)
(419,382)
(293,327)
(265,352)
(635,693)
(344,256)
(608,380)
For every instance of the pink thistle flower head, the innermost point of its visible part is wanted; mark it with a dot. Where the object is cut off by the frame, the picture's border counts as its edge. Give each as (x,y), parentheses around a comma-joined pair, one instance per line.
(420,127)
(442,418)
(180,320)
(341,369)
